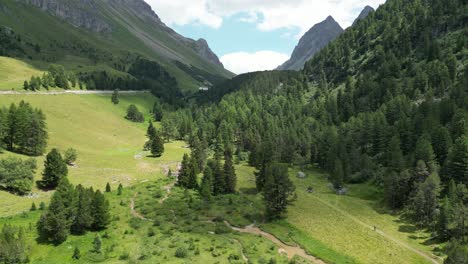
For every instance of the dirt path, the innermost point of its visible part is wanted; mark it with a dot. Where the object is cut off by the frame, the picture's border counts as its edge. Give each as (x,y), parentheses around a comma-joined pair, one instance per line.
(134,212)
(432,258)
(290,251)
(78,92)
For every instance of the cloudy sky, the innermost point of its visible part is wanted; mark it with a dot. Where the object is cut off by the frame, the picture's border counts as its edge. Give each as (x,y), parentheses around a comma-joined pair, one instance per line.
(251,35)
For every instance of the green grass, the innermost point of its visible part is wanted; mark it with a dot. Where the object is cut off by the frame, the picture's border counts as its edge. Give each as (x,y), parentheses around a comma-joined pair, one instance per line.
(325,223)
(109,147)
(14,72)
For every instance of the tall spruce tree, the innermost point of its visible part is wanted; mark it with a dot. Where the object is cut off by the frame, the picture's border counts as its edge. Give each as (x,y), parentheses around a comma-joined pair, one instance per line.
(206,188)
(83,219)
(229,172)
(55,169)
(100,211)
(115,97)
(278,190)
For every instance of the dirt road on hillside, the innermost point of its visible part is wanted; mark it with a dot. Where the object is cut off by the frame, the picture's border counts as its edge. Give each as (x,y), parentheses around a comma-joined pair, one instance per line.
(77,92)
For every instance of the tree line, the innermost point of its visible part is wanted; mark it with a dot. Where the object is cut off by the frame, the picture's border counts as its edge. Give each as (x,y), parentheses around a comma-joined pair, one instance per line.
(23,129)
(56,76)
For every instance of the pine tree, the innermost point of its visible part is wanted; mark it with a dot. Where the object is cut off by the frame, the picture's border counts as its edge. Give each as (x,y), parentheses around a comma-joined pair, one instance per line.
(424,203)
(83,218)
(192,182)
(151,131)
(206,188)
(115,97)
(425,152)
(278,190)
(338,174)
(33,207)
(229,172)
(97,244)
(219,181)
(108,188)
(76,253)
(55,169)
(394,155)
(443,229)
(26,85)
(157,146)
(119,189)
(100,211)
(457,162)
(184,172)
(157,111)
(54,224)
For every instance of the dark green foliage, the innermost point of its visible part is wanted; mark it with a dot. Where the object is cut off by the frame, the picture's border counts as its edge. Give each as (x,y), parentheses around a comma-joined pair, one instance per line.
(457,253)
(55,169)
(206,187)
(181,253)
(229,172)
(24,129)
(157,146)
(108,188)
(133,114)
(33,207)
(457,163)
(42,206)
(16,175)
(76,254)
(115,97)
(83,219)
(119,189)
(13,247)
(54,224)
(100,211)
(97,244)
(157,111)
(278,191)
(188,173)
(425,201)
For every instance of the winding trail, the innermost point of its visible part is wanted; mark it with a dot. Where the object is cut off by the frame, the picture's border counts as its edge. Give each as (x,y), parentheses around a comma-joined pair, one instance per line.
(290,251)
(432,258)
(77,92)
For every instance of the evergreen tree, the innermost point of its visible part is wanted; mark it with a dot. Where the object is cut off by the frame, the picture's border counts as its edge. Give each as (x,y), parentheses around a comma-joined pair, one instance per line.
(26,85)
(70,156)
(229,172)
(33,207)
(100,211)
(55,169)
(394,159)
(457,253)
(157,146)
(97,244)
(338,174)
(115,97)
(133,114)
(13,245)
(83,219)
(157,111)
(424,203)
(425,152)
(206,188)
(183,178)
(108,188)
(76,254)
(54,224)
(457,163)
(443,221)
(278,190)
(219,181)
(119,189)
(151,131)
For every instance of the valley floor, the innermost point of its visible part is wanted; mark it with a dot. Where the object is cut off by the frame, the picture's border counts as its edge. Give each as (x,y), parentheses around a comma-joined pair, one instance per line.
(152,219)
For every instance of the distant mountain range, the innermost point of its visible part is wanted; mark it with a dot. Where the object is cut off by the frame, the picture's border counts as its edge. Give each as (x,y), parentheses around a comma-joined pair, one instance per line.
(316,39)
(79,32)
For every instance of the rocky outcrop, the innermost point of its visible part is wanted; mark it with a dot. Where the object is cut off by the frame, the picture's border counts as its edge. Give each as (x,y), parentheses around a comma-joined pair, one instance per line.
(80,13)
(364,13)
(312,42)
(205,52)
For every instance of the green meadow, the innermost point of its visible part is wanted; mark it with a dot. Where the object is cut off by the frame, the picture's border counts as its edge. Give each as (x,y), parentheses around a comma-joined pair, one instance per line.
(14,72)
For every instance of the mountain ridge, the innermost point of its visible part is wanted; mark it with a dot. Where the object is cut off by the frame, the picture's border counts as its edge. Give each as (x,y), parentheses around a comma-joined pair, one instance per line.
(312,42)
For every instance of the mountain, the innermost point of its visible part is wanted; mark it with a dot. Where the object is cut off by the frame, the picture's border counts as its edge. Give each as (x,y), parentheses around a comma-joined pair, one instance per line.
(108,36)
(364,13)
(312,42)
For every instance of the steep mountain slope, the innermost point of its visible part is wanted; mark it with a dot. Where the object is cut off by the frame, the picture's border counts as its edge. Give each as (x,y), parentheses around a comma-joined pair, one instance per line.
(94,36)
(364,13)
(312,42)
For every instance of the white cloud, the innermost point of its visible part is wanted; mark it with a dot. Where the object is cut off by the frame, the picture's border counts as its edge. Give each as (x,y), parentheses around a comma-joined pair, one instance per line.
(276,14)
(242,62)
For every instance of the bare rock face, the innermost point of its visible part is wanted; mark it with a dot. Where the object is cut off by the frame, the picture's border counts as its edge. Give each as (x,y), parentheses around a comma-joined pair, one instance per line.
(364,13)
(80,13)
(312,42)
(205,52)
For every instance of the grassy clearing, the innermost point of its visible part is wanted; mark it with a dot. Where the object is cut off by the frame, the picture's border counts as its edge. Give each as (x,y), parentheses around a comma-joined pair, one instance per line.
(14,72)
(325,223)
(109,147)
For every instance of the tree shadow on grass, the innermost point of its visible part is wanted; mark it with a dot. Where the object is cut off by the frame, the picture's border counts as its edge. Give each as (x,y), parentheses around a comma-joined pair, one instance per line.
(249,191)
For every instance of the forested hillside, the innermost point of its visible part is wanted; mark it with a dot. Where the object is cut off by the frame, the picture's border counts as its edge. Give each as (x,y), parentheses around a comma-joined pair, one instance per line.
(386,104)
(103,44)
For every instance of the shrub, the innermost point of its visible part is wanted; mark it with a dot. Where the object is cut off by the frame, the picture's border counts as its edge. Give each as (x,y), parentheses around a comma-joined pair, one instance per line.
(70,156)
(181,253)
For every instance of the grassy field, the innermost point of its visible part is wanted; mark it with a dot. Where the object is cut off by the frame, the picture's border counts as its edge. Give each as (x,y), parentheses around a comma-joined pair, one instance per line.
(325,223)
(14,72)
(109,147)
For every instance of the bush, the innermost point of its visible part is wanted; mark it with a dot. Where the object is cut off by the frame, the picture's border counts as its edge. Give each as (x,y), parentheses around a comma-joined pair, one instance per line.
(181,253)
(133,114)
(70,156)
(17,175)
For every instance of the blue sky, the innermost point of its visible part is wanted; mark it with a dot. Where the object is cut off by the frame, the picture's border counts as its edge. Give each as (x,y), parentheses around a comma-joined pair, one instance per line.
(252,35)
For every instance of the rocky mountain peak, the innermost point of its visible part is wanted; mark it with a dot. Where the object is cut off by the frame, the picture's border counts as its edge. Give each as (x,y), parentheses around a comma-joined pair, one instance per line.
(364,13)
(312,42)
